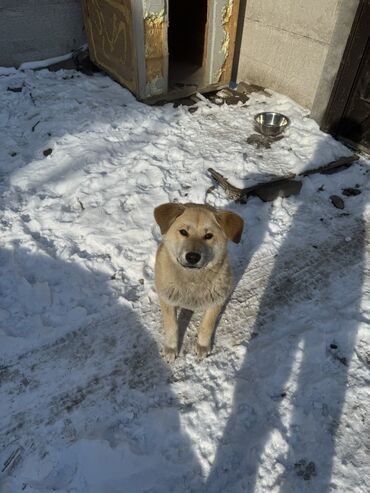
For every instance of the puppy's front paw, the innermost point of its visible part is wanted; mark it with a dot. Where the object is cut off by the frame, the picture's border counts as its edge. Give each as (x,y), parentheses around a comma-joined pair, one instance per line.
(203,351)
(170,354)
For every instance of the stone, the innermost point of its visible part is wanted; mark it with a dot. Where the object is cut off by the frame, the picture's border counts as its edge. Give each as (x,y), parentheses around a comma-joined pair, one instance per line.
(47,152)
(337,201)
(351,192)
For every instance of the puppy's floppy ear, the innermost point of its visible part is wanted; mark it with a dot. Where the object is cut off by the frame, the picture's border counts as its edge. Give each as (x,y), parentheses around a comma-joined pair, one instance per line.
(231,224)
(165,215)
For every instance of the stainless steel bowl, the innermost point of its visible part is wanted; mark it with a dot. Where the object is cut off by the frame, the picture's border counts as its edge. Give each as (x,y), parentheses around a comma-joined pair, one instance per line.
(270,123)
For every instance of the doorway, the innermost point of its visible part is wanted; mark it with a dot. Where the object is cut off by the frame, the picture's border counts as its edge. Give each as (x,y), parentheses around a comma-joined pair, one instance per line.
(187,43)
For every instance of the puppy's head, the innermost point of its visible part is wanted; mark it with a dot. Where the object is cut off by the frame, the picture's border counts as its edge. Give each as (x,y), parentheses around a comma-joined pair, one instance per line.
(196,235)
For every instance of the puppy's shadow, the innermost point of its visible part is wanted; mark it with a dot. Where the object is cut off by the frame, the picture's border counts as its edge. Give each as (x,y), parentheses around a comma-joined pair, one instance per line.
(184,318)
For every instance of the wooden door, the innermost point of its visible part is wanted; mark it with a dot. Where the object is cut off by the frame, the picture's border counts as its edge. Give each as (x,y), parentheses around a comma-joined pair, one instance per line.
(109,28)
(348,113)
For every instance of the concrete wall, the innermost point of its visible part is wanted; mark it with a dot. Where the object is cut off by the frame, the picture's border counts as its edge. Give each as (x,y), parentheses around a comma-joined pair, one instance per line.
(38,29)
(295,47)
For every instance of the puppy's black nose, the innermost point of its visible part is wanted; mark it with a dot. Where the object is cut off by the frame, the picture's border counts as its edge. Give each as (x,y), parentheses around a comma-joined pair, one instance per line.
(192,257)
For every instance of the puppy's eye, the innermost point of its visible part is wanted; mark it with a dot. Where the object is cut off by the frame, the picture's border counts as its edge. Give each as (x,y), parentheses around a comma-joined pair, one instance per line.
(208,236)
(183,232)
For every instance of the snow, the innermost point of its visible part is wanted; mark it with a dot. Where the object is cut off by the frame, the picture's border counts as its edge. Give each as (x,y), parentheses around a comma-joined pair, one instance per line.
(44,63)
(87,403)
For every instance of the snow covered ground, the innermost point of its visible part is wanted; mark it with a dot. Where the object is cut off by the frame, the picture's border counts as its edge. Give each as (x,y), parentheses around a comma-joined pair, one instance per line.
(87,404)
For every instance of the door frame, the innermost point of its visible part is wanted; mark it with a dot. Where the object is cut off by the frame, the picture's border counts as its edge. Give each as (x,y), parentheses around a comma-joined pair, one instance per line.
(348,70)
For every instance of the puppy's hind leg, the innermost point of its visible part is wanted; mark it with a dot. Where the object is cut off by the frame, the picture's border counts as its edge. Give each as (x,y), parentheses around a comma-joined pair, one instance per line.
(206,330)
(171,338)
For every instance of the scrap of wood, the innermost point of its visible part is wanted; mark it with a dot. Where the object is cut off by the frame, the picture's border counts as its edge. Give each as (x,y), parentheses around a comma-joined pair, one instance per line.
(233,191)
(282,186)
(278,186)
(338,163)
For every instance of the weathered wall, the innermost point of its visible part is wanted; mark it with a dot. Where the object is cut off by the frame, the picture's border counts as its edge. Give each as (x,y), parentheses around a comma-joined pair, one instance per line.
(38,29)
(295,46)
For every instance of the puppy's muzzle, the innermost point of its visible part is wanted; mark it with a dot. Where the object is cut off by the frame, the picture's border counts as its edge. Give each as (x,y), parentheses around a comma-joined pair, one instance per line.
(193,258)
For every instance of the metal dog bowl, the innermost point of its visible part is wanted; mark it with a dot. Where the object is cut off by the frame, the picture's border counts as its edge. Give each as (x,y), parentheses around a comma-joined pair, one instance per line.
(270,123)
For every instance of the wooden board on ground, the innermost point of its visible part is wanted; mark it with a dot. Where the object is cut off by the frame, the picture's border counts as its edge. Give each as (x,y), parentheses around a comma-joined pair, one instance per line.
(279,186)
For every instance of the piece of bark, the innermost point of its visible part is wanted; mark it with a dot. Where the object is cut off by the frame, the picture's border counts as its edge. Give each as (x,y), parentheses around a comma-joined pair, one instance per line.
(232,191)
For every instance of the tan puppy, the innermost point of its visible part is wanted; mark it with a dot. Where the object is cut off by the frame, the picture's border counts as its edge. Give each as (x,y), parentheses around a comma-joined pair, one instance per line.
(192,269)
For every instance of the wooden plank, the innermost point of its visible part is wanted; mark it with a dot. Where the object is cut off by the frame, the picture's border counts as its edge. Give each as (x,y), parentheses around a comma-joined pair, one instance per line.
(338,163)
(279,186)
